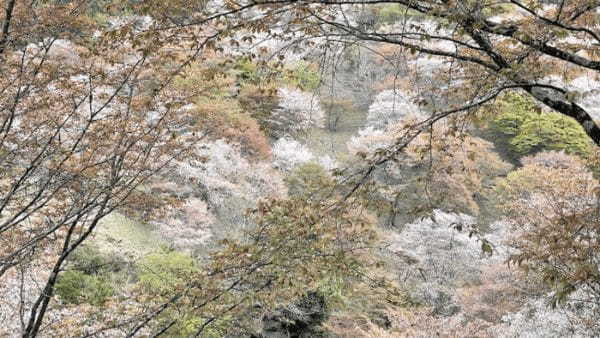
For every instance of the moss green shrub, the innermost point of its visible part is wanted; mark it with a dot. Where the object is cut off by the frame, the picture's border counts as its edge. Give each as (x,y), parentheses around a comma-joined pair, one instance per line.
(75,287)
(527,130)
(164,271)
(304,75)
(248,70)
(89,260)
(391,13)
(161,274)
(91,276)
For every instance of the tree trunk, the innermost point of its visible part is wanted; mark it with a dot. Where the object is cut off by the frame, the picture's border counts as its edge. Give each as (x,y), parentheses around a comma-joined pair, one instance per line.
(559,103)
(6,25)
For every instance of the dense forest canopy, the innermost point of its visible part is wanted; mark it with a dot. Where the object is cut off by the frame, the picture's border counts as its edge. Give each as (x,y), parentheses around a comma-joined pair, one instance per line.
(219,168)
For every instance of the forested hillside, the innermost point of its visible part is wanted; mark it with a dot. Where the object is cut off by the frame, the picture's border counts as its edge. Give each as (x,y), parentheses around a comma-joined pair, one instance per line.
(279,168)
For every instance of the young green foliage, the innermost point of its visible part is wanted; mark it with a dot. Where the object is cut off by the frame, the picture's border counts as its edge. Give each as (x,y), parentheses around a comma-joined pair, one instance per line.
(76,287)
(164,271)
(528,130)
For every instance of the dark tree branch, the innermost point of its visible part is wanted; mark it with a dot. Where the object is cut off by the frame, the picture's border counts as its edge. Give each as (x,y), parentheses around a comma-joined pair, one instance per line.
(476,28)
(8,11)
(559,103)
(556,23)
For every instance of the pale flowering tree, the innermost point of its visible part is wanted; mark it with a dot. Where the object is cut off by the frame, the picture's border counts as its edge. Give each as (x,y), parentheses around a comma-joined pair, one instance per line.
(434,251)
(289,153)
(389,107)
(59,49)
(327,162)
(187,227)
(138,23)
(452,275)
(225,184)
(369,139)
(18,290)
(552,205)
(298,111)
(221,168)
(437,255)
(389,113)
(537,319)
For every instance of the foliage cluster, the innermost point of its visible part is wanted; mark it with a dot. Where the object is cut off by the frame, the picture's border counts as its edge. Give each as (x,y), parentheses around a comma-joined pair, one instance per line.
(160,274)
(166,270)
(528,130)
(451,172)
(552,203)
(296,244)
(303,75)
(89,278)
(76,287)
(218,111)
(243,104)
